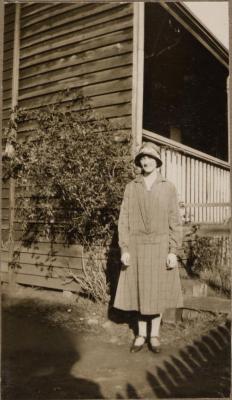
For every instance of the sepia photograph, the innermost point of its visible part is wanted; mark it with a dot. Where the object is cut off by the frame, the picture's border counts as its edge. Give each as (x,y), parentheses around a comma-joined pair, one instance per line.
(115,200)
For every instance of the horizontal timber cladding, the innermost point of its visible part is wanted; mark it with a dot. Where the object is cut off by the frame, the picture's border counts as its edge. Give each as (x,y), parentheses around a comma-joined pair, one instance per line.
(78,18)
(82,35)
(43,265)
(87,47)
(93,63)
(78,51)
(77,82)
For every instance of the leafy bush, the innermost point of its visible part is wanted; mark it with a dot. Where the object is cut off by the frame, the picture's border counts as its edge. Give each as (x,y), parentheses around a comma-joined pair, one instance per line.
(71,173)
(208,258)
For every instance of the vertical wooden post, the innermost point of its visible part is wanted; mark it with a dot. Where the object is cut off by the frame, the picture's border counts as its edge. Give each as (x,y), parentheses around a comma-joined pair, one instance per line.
(204,208)
(183,177)
(1,79)
(224,196)
(196,200)
(207,192)
(221,195)
(169,166)
(14,102)
(200,192)
(187,188)
(229,102)
(212,192)
(179,180)
(192,187)
(227,194)
(217,193)
(228,117)
(138,67)
(162,156)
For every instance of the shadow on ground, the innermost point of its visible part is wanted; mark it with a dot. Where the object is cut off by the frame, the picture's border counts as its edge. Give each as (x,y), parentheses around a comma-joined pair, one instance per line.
(37,357)
(200,370)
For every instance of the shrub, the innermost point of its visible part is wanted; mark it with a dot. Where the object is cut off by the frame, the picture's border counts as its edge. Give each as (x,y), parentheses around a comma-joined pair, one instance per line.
(93,279)
(209,259)
(71,173)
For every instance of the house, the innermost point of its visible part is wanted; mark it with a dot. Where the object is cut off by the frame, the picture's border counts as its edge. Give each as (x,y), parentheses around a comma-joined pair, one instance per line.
(152,67)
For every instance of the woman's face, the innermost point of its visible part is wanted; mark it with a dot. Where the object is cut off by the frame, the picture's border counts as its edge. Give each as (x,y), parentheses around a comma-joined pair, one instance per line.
(148,164)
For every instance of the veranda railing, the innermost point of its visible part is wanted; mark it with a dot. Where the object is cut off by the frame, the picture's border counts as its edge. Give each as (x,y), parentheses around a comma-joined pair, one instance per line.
(202,181)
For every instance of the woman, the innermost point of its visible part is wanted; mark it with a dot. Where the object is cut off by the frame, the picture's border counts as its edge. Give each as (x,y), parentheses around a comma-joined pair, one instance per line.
(149,237)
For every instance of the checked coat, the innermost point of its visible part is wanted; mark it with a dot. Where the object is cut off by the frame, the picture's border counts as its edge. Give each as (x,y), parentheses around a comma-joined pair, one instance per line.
(149,228)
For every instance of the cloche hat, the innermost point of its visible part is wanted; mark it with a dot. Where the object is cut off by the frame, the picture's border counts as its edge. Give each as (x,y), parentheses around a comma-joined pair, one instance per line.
(148,149)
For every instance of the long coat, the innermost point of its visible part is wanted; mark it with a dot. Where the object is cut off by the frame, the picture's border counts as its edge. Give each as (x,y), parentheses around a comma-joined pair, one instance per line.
(149,228)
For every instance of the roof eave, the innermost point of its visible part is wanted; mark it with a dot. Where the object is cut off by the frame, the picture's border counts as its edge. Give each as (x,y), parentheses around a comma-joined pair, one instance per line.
(197,29)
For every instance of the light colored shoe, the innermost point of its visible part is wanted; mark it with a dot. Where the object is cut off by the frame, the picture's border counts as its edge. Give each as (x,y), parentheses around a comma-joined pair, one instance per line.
(137,344)
(155,344)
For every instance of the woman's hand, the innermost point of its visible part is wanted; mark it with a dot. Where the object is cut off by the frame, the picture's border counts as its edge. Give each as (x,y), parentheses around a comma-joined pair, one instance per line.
(172,261)
(125,258)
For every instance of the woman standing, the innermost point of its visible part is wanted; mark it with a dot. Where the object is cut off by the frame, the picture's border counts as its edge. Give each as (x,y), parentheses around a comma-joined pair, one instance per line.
(150,235)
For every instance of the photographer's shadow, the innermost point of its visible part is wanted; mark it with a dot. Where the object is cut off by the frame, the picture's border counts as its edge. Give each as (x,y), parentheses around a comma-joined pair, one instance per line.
(38,356)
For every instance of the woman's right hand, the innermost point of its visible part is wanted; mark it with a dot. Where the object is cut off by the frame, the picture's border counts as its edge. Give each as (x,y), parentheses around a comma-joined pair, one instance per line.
(125,258)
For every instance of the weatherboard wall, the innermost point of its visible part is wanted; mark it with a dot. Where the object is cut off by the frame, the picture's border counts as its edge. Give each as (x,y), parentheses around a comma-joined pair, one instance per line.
(83,46)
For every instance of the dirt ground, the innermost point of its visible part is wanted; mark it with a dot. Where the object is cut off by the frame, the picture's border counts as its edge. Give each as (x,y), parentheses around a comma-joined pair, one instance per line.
(57,346)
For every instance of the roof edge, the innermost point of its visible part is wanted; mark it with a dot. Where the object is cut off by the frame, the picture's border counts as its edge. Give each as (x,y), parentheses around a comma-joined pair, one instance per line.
(184,15)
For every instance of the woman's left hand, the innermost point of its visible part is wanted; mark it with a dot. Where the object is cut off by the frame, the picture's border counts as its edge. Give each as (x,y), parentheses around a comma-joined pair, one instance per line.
(172,261)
